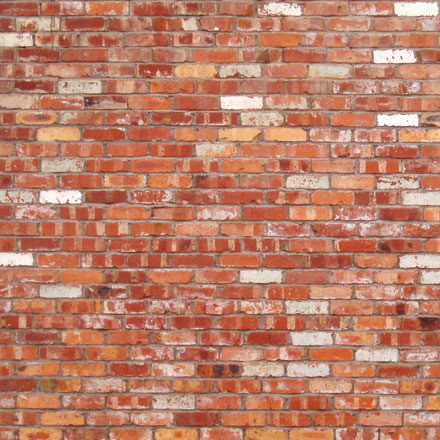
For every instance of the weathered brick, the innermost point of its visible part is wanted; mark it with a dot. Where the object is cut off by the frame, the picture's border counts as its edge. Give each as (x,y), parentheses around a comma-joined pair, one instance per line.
(280,9)
(228,208)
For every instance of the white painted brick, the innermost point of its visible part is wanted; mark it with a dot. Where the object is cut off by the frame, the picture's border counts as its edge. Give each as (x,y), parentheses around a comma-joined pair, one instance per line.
(307,307)
(431,198)
(263,276)
(60,291)
(240,102)
(267,119)
(80,86)
(308,182)
(308,369)
(399,120)
(189,24)
(430,277)
(416,9)
(215,150)
(377,355)
(173,402)
(425,261)
(60,197)
(394,56)
(240,71)
(398,182)
(38,24)
(62,165)
(263,369)
(329,70)
(16,259)
(14,39)
(282,9)
(16,196)
(312,338)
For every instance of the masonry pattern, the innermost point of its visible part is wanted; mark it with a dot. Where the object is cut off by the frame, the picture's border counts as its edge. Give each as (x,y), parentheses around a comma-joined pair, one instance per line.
(219,220)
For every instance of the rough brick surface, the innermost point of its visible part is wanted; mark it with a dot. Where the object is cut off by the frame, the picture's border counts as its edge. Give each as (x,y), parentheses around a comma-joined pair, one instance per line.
(219,220)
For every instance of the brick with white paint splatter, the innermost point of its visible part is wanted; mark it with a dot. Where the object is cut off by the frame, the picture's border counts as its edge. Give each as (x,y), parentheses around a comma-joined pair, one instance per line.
(60,291)
(281,9)
(267,119)
(430,277)
(262,276)
(263,369)
(425,261)
(56,197)
(48,24)
(16,196)
(307,307)
(374,354)
(312,338)
(398,120)
(307,182)
(431,198)
(398,182)
(62,165)
(416,9)
(241,102)
(394,56)
(80,86)
(308,369)
(16,259)
(173,402)
(240,71)
(15,39)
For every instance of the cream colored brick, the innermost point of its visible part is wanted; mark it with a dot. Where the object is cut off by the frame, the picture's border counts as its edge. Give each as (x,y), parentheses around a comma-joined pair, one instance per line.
(285,134)
(416,9)
(16,259)
(51,134)
(196,71)
(263,276)
(240,102)
(329,70)
(239,134)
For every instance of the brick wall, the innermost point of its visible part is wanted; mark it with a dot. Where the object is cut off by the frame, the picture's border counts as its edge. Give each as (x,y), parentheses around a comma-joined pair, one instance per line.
(219,220)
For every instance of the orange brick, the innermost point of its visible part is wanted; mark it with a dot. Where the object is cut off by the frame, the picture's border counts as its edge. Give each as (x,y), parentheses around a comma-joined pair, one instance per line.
(63,418)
